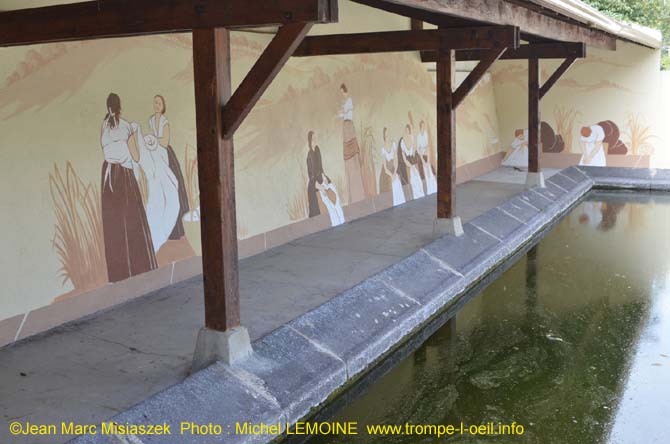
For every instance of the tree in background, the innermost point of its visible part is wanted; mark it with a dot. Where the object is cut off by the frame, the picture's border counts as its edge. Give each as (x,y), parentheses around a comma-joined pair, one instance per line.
(651,13)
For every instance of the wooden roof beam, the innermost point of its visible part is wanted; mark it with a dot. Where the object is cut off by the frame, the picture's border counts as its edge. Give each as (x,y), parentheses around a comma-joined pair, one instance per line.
(487,37)
(497,12)
(523,52)
(120,18)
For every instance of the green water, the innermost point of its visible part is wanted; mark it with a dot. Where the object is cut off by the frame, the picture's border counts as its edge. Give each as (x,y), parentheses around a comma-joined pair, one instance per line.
(572,342)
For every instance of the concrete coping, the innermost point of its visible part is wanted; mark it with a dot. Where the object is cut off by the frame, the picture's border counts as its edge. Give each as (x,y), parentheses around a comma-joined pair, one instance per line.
(297,368)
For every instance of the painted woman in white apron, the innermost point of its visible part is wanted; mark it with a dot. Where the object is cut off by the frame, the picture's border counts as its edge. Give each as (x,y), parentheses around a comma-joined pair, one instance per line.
(389,180)
(160,127)
(422,147)
(412,162)
(162,205)
(593,152)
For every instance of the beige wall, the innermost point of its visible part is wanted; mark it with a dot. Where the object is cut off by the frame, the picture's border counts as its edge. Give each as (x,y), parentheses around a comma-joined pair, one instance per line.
(52,102)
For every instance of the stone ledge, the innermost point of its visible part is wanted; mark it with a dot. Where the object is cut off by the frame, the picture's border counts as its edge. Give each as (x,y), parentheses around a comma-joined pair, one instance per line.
(299,366)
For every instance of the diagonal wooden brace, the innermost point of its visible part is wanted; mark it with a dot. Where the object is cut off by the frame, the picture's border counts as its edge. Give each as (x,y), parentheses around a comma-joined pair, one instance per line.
(551,81)
(266,68)
(476,75)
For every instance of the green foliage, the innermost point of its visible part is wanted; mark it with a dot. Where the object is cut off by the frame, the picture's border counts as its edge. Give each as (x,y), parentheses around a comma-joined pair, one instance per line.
(665,61)
(652,13)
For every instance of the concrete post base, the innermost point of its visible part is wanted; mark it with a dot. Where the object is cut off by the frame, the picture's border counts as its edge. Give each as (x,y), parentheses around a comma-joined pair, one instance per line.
(535,180)
(451,226)
(227,346)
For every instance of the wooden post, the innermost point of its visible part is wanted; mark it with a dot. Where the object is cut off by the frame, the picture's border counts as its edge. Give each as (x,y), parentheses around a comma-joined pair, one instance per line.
(533,115)
(446,133)
(211,65)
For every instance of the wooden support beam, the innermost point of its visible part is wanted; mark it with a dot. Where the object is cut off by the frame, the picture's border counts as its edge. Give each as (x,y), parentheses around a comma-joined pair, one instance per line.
(487,37)
(268,65)
(216,173)
(523,52)
(117,18)
(534,118)
(446,133)
(497,12)
(551,81)
(476,75)
(417,25)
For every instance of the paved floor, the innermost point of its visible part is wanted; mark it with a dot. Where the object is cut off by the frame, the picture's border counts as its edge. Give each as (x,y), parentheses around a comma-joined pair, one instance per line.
(90,370)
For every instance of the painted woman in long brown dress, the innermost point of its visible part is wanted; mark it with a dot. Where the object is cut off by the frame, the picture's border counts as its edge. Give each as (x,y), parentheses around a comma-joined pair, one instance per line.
(128,246)
(160,127)
(351,151)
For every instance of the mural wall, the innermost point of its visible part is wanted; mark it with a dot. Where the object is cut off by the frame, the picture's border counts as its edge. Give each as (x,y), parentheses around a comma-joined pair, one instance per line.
(100,167)
(604,111)
(100,164)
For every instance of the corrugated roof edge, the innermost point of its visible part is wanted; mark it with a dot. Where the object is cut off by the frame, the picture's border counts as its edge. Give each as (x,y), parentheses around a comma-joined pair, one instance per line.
(580,11)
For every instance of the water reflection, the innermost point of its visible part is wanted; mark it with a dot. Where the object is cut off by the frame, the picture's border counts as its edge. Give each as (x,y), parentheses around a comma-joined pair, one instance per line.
(559,343)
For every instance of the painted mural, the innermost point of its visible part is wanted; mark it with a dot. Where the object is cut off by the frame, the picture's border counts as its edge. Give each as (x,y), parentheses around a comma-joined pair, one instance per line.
(103,173)
(136,228)
(595,120)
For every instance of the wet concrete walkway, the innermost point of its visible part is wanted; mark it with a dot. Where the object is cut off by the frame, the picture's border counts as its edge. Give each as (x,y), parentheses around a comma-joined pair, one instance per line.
(91,370)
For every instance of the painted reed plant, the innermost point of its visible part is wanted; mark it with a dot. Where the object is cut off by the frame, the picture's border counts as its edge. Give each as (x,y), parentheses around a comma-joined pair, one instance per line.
(367,161)
(639,136)
(297,207)
(78,240)
(565,125)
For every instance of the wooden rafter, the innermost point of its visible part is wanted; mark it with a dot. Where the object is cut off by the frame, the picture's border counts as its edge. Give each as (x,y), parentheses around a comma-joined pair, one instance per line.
(416,24)
(118,18)
(497,12)
(523,52)
(551,81)
(413,40)
(268,65)
(476,75)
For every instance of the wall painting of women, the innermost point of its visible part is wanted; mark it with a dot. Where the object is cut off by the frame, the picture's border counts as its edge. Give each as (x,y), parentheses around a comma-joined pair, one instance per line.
(351,150)
(128,244)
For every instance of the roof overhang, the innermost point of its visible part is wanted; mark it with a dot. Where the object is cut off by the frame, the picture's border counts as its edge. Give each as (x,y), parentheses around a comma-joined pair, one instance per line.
(535,25)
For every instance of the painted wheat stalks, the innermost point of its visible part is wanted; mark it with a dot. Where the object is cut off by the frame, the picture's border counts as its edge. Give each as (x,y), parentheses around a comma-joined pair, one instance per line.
(191,178)
(367,161)
(297,207)
(639,136)
(565,125)
(78,238)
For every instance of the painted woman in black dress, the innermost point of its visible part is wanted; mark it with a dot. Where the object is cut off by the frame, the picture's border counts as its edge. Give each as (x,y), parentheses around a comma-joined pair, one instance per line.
(315,174)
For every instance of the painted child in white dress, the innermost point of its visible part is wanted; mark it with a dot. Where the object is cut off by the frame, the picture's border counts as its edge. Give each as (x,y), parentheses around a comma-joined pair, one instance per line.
(407,147)
(422,147)
(593,151)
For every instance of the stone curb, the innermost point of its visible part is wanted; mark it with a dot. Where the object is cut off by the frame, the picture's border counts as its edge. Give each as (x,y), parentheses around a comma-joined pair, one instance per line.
(296,368)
